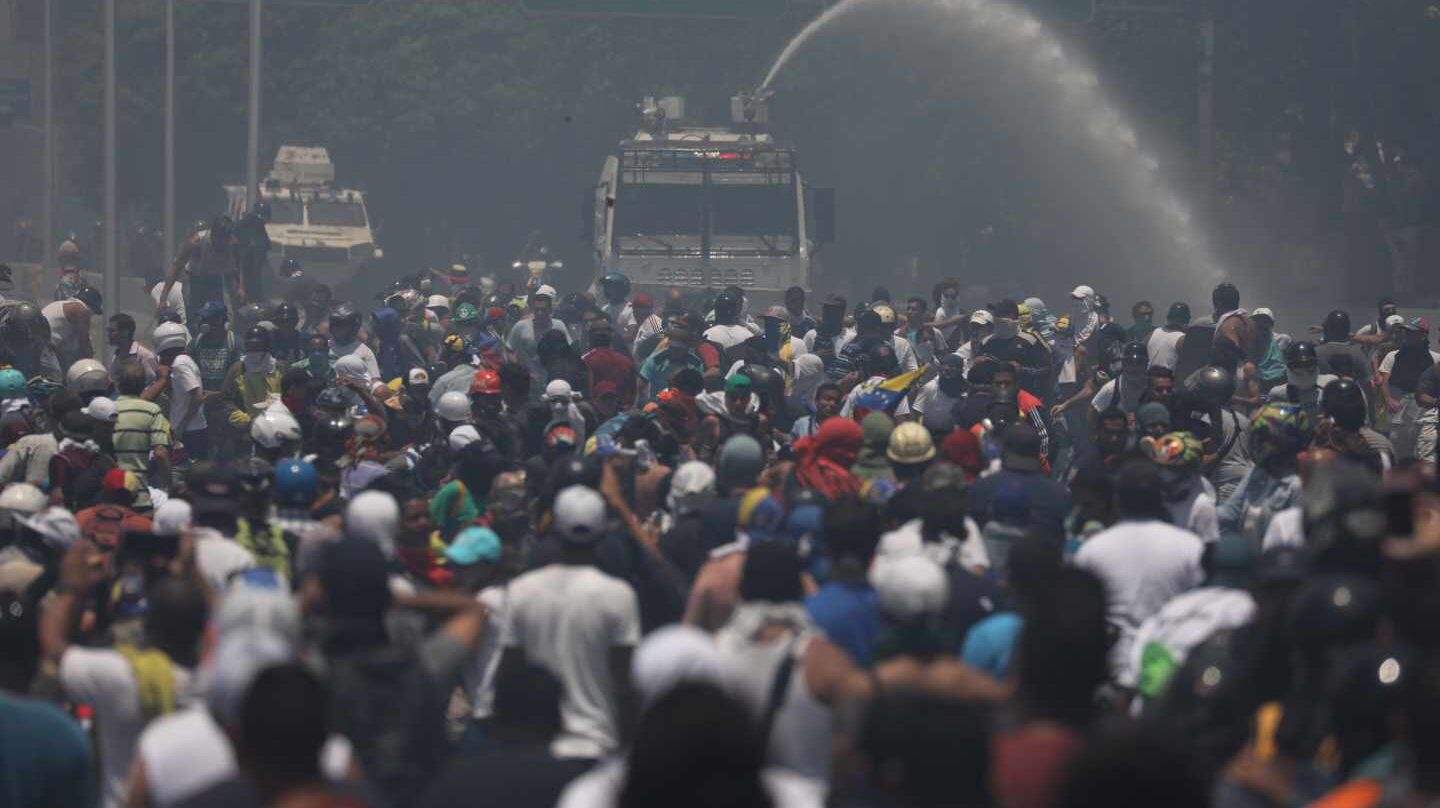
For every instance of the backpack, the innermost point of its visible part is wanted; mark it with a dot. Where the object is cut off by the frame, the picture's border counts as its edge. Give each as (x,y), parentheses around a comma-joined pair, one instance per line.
(69,466)
(392,710)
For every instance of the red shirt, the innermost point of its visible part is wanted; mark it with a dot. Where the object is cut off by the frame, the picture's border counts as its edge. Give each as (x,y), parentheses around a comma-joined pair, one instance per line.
(610,365)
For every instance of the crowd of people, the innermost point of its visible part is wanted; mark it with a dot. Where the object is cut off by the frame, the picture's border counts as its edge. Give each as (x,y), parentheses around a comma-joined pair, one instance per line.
(493,544)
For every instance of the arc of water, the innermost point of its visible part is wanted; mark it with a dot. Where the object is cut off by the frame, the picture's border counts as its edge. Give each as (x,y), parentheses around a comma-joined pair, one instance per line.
(1079,89)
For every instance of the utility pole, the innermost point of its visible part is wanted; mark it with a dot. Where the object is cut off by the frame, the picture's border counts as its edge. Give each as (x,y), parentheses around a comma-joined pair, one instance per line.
(1205,112)
(47,194)
(169,213)
(111,279)
(252,144)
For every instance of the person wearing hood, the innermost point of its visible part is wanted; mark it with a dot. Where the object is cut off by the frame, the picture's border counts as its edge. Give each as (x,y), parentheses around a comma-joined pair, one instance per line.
(252,382)
(871,463)
(397,351)
(1040,322)
(823,460)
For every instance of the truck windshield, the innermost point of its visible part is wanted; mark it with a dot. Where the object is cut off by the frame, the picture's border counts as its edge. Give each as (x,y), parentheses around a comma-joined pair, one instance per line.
(285,211)
(334,213)
(658,210)
(747,216)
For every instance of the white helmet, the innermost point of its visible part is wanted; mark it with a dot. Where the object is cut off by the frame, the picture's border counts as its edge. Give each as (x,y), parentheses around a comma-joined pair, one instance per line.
(87,376)
(453,406)
(23,498)
(170,335)
(273,429)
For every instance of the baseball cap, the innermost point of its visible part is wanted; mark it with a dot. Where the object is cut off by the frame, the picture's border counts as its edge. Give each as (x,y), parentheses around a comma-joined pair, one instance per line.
(1419,324)
(737,383)
(462,436)
(777,313)
(558,390)
(419,376)
(1082,291)
(1394,320)
(1021,450)
(982,317)
(546,290)
(560,434)
(101,409)
(118,480)
(580,515)
(1263,311)
(213,488)
(437,302)
(473,545)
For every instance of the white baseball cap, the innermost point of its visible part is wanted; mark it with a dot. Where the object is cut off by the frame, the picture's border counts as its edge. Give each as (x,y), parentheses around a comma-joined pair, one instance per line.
(1082,292)
(580,515)
(101,409)
(462,436)
(1263,312)
(982,317)
(546,290)
(559,390)
(1394,320)
(438,302)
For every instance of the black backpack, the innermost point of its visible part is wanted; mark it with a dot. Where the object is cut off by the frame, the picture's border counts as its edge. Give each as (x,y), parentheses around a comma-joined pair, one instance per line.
(393,712)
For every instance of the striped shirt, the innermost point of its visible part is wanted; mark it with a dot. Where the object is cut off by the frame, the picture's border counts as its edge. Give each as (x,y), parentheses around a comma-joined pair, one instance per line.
(139,427)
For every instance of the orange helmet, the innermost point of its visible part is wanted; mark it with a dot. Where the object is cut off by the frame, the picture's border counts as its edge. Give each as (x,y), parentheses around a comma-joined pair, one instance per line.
(486,382)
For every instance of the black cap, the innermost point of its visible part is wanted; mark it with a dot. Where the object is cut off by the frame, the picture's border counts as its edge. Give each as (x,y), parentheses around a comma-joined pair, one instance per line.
(1179,314)
(213,488)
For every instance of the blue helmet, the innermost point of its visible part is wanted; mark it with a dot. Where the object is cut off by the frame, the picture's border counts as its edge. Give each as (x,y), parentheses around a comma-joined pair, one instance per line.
(12,384)
(295,483)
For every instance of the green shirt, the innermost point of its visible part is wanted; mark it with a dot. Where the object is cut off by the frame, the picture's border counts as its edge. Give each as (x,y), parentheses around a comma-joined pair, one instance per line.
(139,428)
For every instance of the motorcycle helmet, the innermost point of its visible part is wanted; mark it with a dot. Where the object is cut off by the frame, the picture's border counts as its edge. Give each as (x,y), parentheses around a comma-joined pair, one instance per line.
(285,313)
(727,305)
(295,484)
(453,407)
(87,376)
(1344,402)
(1336,325)
(12,384)
(615,286)
(1213,386)
(1301,353)
(1278,429)
(90,296)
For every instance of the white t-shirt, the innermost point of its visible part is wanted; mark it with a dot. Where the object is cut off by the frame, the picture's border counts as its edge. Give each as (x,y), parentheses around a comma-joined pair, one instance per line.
(64,336)
(1286,529)
(568,618)
(1118,393)
(1185,622)
(184,381)
(1143,565)
(1163,348)
(526,344)
(1196,513)
(909,539)
(480,670)
(728,336)
(848,408)
(905,354)
(1387,365)
(360,349)
(218,558)
(931,397)
(103,678)
(183,754)
(176,301)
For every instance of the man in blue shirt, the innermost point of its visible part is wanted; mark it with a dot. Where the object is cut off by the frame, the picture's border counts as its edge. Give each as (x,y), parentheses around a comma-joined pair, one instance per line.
(656,371)
(847,608)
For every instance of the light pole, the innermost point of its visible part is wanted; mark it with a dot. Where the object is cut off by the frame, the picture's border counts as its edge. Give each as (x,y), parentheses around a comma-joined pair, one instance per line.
(252,144)
(111,280)
(47,198)
(169,213)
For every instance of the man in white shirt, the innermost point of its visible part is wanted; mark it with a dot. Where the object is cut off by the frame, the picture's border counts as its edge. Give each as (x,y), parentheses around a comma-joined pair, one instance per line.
(110,680)
(729,330)
(345,338)
(180,375)
(525,337)
(579,623)
(1143,560)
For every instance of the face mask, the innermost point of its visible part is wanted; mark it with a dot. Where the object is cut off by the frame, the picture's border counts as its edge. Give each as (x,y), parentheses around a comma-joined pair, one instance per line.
(1006,328)
(952,386)
(1303,379)
(255,356)
(1079,308)
(319,360)
(1145,321)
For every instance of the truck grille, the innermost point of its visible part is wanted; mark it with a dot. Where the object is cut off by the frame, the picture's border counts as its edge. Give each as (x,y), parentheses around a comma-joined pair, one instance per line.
(696,276)
(318,255)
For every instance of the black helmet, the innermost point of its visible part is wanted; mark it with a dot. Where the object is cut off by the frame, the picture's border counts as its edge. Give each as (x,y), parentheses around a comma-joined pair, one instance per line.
(332,433)
(344,314)
(1334,611)
(881,359)
(285,313)
(1225,297)
(248,315)
(572,471)
(90,296)
(331,399)
(764,380)
(262,211)
(1301,353)
(1344,402)
(256,474)
(1134,352)
(259,335)
(290,267)
(727,305)
(1337,324)
(1214,386)
(615,284)
(1179,314)
(24,323)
